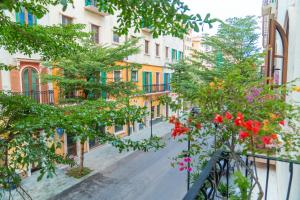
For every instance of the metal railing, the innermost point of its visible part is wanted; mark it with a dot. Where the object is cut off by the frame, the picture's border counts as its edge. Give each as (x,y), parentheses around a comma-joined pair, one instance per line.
(156,88)
(219,169)
(44,97)
(267,2)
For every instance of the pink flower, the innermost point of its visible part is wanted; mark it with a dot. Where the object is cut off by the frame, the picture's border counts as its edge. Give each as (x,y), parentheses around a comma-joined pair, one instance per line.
(181,164)
(181,169)
(187,159)
(189,169)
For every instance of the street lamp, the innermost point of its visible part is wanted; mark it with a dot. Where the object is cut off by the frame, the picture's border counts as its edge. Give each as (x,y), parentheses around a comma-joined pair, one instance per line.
(151,134)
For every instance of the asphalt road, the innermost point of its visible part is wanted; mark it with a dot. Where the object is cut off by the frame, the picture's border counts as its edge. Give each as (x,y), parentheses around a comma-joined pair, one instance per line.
(139,176)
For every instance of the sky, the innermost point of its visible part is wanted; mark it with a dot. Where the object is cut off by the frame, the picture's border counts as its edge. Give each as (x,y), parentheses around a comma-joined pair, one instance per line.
(224,9)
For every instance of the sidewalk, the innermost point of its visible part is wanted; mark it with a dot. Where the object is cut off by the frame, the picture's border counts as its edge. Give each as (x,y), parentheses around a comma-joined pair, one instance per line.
(98,159)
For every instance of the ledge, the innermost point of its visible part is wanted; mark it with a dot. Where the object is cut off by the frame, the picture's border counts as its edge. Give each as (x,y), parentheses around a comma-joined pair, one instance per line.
(95,10)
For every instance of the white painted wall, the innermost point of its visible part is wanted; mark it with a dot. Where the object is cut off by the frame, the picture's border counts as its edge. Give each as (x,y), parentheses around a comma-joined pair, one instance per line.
(293,9)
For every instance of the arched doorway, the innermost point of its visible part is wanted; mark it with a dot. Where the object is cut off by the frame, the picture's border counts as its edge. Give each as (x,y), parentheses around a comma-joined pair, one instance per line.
(30,83)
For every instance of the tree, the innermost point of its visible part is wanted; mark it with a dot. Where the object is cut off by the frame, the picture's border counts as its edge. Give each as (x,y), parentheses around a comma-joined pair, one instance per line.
(27,133)
(239,113)
(81,79)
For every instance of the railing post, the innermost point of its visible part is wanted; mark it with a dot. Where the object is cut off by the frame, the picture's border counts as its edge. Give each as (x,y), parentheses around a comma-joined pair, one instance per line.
(290,180)
(267,178)
(227,177)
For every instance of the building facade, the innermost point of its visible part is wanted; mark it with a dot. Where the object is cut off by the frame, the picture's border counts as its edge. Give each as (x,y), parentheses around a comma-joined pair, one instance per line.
(281,41)
(153,77)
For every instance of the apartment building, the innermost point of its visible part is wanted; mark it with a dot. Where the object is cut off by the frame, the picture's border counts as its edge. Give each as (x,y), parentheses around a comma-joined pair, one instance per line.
(281,41)
(153,77)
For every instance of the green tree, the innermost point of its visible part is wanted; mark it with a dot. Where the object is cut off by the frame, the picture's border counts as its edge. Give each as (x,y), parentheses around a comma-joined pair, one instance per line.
(81,78)
(27,133)
(239,113)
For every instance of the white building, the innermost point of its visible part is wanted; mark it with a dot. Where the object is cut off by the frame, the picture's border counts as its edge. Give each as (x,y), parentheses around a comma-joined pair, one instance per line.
(281,39)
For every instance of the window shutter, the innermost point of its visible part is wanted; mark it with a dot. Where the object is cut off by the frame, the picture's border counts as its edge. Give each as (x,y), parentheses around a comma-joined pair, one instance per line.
(88,2)
(169,81)
(17,17)
(103,81)
(144,81)
(178,55)
(22,17)
(164,80)
(150,74)
(30,19)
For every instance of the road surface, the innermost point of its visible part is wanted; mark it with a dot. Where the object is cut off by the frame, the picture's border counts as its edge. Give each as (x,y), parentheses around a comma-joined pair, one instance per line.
(139,176)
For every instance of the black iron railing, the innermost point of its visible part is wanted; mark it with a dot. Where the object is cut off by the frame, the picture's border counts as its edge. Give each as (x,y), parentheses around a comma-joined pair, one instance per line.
(44,97)
(219,169)
(156,88)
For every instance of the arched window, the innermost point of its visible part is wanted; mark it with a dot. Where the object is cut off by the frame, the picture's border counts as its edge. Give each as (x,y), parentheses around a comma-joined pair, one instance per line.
(277,55)
(30,83)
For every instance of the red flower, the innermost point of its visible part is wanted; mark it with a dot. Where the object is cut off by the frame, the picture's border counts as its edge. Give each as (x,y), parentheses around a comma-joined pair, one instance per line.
(228,116)
(274,136)
(239,119)
(266,140)
(218,119)
(282,122)
(179,129)
(256,127)
(248,125)
(244,135)
(198,126)
(172,120)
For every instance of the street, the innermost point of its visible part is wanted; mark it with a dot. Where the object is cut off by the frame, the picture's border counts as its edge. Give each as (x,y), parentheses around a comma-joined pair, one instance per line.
(139,176)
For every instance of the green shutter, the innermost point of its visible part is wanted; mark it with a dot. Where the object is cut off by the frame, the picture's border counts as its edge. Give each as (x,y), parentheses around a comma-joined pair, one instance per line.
(173,54)
(150,74)
(17,17)
(88,2)
(169,81)
(144,81)
(165,83)
(178,55)
(103,81)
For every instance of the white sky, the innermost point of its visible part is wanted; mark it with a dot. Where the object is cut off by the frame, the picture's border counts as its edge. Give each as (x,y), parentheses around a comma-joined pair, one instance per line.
(224,9)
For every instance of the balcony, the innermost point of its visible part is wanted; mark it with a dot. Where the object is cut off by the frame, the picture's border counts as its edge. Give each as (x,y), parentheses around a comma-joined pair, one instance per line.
(275,176)
(44,97)
(156,88)
(269,7)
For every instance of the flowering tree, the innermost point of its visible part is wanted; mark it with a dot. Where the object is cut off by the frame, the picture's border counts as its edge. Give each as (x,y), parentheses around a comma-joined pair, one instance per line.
(239,113)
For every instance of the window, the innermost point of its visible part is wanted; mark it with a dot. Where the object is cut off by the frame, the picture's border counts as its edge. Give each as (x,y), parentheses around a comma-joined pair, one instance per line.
(30,83)
(158,111)
(65,20)
(167,52)
(173,54)
(157,50)
(147,82)
(116,37)
(95,33)
(157,78)
(25,17)
(134,76)
(91,3)
(118,128)
(117,76)
(147,47)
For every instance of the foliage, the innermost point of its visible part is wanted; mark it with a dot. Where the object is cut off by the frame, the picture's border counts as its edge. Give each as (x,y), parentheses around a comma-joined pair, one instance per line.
(27,133)
(243,184)
(76,172)
(238,111)
(81,75)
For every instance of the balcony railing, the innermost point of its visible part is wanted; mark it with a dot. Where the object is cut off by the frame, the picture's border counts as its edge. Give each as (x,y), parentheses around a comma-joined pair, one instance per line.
(156,88)
(44,97)
(219,170)
(267,2)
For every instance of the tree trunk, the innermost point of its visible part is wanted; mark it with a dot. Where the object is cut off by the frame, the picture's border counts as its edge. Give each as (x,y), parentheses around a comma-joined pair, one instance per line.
(81,157)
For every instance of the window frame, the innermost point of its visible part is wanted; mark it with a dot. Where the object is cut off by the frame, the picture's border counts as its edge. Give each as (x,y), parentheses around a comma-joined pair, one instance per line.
(68,18)
(95,37)
(120,78)
(157,49)
(147,44)
(137,75)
